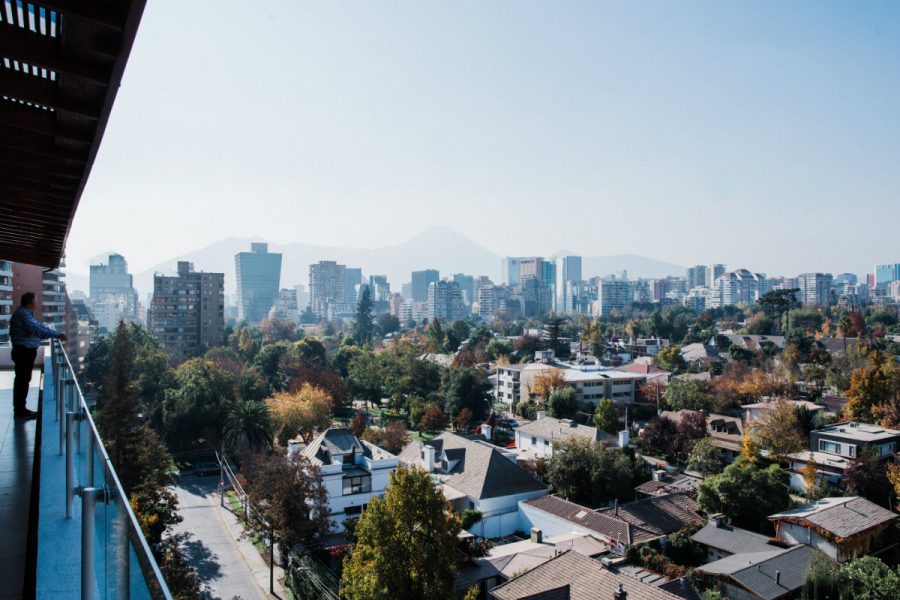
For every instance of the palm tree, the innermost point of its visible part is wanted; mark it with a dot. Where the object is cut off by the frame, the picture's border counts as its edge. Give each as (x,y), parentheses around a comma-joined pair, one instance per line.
(249,426)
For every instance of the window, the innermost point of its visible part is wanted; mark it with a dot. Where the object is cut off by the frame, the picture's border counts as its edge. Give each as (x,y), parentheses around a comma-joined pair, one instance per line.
(352,511)
(828,446)
(357,485)
(852,450)
(534,440)
(885,449)
(546,442)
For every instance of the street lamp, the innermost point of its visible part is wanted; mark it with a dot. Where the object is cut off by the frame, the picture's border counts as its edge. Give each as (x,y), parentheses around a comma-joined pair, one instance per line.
(220,458)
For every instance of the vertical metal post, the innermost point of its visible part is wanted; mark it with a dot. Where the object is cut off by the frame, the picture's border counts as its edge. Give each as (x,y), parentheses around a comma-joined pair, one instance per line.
(62,407)
(88,575)
(221,458)
(121,550)
(70,464)
(272,561)
(89,455)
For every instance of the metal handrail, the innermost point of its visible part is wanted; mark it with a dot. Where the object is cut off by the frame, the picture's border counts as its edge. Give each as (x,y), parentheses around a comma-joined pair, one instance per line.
(72,414)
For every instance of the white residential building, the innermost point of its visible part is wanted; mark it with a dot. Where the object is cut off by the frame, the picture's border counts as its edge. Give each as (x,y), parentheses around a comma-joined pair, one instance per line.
(614,294)
(353,471)
(475,474)
(538,437)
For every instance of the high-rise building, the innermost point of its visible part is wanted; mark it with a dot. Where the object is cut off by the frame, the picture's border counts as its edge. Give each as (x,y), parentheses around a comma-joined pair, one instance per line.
(327,286)
(49,288)
(112,295)
(381,289)
(568,270)
(445,301)
(6,299)
(285,307)
(258,280)
(420,282)
(352,281)
(737,287)
(511,271)
(713,272)
(815,289)
(187,311)
(885,274)
(467,285)
(696,276)
(613,294)
(302,297)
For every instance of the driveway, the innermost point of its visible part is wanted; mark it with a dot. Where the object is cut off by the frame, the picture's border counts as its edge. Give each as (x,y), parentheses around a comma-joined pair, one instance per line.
(209,546)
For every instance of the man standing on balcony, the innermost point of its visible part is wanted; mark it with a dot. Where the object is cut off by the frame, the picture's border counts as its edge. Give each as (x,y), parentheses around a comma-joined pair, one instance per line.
(26,334)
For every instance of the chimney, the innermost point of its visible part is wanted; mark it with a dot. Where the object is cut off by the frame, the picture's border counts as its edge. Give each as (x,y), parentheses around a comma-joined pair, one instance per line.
(486,431)
(718,519)
(541,414)
(537,536)
(659,475)
(620,594)
(616,506)
(777,577)
(428,458)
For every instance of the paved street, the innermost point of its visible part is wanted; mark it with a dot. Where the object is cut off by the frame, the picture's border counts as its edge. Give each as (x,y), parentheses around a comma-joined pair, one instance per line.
(211,547)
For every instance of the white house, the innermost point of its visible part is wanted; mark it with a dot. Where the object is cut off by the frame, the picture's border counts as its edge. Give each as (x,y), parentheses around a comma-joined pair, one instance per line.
(537,438)
(474,474)
(353,471)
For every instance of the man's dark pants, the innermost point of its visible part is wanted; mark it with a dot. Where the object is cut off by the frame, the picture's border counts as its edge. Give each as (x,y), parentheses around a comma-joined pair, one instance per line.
(24,361)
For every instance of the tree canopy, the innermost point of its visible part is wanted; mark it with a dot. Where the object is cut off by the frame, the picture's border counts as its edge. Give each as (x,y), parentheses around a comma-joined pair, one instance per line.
(747,494)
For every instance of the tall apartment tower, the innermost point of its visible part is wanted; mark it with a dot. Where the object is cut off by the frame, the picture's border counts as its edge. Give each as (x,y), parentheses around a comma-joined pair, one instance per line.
(696,277)
(352,281)
(713,272)
(112,294)
(420,282)
(49,288)
(258,280)
(6,300)
(327,285)
(815,289)
(885,275)
(568,270)
(445,301)
(613,294)
(187,311)
(467,285)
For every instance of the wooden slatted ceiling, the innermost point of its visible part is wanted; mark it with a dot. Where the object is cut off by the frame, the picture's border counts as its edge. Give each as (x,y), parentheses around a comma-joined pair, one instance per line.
(61,63)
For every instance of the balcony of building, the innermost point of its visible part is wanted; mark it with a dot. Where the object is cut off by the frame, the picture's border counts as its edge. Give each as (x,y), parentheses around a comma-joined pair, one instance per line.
(68,530)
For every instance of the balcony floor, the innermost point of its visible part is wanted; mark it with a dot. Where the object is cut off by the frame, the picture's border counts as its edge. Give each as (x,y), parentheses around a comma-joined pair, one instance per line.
(17,440)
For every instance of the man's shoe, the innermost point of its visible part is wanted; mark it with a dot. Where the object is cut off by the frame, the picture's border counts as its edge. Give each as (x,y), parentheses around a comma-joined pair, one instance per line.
(26,414)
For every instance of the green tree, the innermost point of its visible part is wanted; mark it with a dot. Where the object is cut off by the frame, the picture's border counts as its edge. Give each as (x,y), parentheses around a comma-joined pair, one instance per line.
(553,327)
(364,324)
(199,405)
(606,417)
(590,473)
(866,578)
(249,427)
(746,493)
(562,403)
(387,324)
(777,303)
(669,358)
(689,394)
(467,387)
(406,544)
(364,378)
(497,348)
(706,458)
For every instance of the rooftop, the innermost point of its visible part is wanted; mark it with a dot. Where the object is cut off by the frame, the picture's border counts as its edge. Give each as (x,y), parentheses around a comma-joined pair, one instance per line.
(733,540)
(862,432)
(769,575)
(551,428)
(840,517)
(477,469)
(571,576)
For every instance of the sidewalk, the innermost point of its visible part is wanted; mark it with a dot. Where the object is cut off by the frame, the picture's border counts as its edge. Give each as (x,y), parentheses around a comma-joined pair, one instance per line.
(251,555)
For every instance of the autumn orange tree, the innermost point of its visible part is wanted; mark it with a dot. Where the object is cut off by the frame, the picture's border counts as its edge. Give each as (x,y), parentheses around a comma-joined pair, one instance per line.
(778,430)
(547,381)
(874,391)
(302,413)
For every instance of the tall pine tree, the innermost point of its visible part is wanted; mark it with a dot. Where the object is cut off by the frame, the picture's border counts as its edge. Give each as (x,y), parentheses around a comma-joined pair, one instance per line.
(364,326)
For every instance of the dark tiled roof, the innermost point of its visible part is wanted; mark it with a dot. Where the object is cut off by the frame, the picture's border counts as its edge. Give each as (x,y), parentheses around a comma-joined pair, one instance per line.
(481,470)
(768,575)
(679,483)
(335,441)
(628,523)
(841,517)
(586,579)
(732,539)
(660,515)
(682,588)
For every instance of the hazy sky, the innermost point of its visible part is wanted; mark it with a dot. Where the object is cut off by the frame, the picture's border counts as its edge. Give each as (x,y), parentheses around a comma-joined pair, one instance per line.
(757,134)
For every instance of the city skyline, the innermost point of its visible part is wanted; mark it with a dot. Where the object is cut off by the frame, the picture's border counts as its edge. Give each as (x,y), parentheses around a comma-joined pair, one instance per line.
(743,133)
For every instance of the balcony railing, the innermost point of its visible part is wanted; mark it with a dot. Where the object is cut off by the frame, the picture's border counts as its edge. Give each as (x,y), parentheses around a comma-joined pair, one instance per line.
(116,561)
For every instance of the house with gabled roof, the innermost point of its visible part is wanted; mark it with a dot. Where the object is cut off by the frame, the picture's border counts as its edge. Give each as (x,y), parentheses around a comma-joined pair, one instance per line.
(474,474)
(767,575)
(539,437)
(842,528)
(618,526)
(353,472)
(572,576)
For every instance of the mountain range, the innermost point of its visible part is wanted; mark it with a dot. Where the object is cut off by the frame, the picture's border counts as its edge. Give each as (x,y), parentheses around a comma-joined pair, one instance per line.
(436,247)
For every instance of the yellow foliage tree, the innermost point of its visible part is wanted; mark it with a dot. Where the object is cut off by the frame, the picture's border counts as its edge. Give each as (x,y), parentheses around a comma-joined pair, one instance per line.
(750,448)
(810,472)
(301,413)
(547,381)
(893,473)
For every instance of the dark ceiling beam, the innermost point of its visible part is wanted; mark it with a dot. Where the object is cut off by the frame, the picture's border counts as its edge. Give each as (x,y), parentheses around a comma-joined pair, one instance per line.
(60,168)
(20,141)
(44,51)
(108,14)
(13,186)
(44,92)
(39,175)
(40,121)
